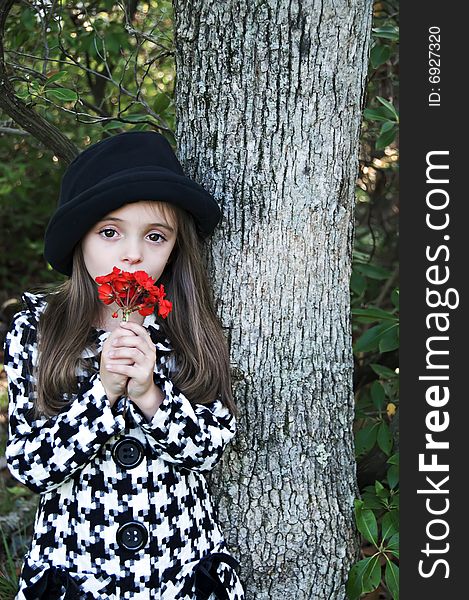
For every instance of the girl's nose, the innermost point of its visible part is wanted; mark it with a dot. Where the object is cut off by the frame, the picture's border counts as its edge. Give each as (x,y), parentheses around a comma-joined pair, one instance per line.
(131,261)
(132,254)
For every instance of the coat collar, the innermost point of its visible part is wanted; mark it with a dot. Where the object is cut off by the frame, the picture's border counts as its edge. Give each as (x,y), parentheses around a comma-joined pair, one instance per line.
(36,304)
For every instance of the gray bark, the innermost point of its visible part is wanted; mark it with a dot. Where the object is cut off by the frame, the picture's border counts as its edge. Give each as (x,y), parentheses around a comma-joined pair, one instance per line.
(269,97)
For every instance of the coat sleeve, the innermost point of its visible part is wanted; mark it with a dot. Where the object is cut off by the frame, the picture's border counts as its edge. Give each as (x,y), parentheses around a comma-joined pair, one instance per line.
(191,436)
(43,453)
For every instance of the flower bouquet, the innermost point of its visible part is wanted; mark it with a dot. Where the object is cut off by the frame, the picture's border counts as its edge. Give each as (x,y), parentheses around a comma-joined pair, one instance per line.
(132,292)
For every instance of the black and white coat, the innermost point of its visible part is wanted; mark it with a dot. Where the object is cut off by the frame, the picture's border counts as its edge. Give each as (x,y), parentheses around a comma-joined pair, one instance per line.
(133,520)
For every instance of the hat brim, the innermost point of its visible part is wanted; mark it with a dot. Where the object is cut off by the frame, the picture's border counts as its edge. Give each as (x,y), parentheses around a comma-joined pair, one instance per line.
(74,219)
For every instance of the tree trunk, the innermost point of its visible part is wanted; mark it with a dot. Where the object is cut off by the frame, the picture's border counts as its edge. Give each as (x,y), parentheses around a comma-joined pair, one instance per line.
(269,97)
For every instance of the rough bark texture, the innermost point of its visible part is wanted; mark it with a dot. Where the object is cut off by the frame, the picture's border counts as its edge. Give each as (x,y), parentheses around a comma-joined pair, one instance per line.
(269,97)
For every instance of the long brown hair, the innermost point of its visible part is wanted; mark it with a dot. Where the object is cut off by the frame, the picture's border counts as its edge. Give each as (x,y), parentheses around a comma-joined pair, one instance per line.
(193,328)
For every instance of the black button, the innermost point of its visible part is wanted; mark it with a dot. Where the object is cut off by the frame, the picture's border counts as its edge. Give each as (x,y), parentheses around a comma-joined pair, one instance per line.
(128,452)
(132,536)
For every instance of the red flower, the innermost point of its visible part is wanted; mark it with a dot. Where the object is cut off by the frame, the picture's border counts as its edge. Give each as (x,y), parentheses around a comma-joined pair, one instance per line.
(131,292)
(165,308)
(106,293)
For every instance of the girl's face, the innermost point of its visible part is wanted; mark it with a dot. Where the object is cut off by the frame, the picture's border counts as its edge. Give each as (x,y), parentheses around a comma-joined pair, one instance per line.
(134,237)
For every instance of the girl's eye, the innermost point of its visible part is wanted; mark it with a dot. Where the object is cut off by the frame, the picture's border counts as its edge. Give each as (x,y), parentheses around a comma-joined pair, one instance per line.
(107,229)
(158,235)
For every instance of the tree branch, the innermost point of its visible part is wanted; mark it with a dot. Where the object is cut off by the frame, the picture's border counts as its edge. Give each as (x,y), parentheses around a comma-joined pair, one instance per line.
(13,131)
(19,111)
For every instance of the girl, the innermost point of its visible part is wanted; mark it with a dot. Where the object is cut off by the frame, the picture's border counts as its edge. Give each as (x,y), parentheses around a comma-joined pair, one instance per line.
(115,423)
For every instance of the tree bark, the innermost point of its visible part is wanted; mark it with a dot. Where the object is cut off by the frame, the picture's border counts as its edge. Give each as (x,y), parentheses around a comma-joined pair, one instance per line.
(268,107)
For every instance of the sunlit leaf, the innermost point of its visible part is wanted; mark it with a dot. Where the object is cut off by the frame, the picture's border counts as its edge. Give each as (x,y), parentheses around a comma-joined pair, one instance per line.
(388,32)
(62,94)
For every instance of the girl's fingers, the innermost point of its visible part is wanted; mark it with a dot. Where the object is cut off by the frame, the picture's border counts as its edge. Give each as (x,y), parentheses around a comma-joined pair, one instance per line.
(121,369)
(133,371)
(122,349)
(132,347)
(139,331)
(119,360)
(134,344)
(132,341)
(133,354)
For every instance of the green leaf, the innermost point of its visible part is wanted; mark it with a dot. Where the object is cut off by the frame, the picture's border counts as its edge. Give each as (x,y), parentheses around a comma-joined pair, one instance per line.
(385,139)
(387,126)
(390,339)
(23,94)
(389,106)
(63,94)
(395,297)
(113,124)
(389,32)
(364,577)
(365,439)
(17,490)
(393,545)
(377,395)
(376,114)
(28,19)
(161,103)
(393,476)
(391,577)
(380,490)
(379,55)
(112,43)
(384,372)
(372,271)
(371,337)
(363,398)
(135,118)
(55,77)
(394,459)
(139,127)
(367,524)
(391,387)
(384,438)
(372,314)
(357,283)
(390,524)
(372,502)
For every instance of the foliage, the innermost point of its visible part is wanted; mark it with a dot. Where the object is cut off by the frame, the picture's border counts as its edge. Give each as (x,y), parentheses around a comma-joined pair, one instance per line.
(8,574)
(375,316)
(91,71)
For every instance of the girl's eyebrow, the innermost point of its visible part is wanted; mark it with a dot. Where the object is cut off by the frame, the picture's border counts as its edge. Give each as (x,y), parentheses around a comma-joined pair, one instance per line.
(163,225)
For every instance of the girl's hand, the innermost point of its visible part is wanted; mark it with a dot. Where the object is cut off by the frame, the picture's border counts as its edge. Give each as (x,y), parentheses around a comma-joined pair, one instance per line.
(133,343)
(114,384)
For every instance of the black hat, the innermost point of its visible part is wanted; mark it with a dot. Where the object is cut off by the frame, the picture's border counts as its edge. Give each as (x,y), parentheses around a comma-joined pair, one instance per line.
(126,167)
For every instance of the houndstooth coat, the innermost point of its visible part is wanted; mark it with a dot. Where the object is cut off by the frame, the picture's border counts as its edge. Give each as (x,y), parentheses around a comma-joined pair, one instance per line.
(124,508)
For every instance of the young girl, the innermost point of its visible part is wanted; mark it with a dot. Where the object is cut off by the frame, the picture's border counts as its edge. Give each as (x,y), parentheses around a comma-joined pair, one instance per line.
(114,423)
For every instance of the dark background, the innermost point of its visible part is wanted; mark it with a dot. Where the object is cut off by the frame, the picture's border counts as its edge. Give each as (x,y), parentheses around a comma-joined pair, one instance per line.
(423,129)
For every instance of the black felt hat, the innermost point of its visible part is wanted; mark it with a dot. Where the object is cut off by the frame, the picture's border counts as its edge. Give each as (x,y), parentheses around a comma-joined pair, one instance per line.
(124,168)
